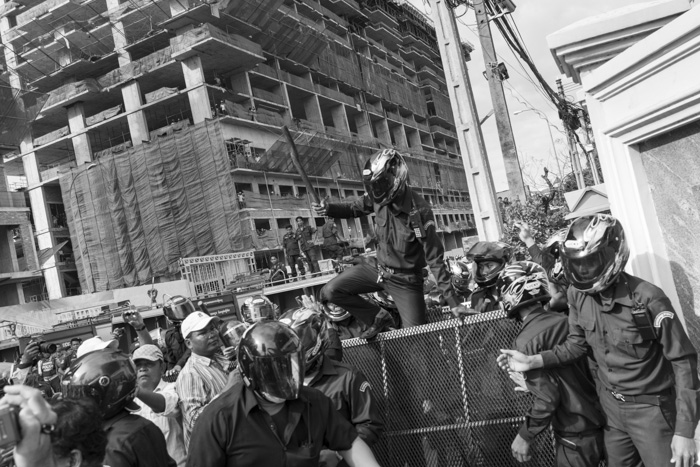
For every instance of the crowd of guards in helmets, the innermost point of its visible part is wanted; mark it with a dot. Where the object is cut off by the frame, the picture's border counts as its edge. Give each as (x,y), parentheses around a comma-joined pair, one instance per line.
(604,354)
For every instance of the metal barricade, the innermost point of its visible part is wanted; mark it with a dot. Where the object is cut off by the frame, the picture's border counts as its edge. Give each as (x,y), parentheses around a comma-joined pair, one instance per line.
(444,400)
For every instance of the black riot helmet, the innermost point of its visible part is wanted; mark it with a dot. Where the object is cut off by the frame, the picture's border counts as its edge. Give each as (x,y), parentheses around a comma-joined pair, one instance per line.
(521,284)
(553,246)
(258,307)
(271,360)
(106,376)
(484,255)
(177,308)
(385,176)
(335,313)
(594,252)
(461,276)
(312,329)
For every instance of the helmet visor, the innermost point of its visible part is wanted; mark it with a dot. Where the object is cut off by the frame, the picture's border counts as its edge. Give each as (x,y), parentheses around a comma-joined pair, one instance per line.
(381,187)
(585,271)
(484,269)
(279,376)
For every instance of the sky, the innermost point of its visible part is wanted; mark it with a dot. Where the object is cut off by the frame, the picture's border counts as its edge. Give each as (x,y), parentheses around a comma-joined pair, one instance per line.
(535,19)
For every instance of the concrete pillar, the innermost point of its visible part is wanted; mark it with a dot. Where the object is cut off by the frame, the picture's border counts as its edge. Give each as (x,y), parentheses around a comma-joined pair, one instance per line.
(313,110)
(363,128)
(42,223)
(138,127)
(382,129)
(340,118)
(81,142)
(8,255)
(400,136)
(198,97)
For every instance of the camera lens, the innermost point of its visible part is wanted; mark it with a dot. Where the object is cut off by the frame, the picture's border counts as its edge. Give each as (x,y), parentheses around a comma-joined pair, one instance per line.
(45,347)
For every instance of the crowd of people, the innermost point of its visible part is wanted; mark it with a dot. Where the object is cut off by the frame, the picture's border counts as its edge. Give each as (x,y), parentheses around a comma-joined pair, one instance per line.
(603,353)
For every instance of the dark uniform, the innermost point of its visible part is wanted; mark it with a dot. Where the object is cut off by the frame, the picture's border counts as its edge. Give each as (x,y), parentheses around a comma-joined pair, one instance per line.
(351,395)
(649,386)
(330,240)
(133,441)
(176,351)
(564,397)
(305,236)
(278,273)
(485,299)
(557,288)
(234,430)
(349,328)
(291,248)
(407,242)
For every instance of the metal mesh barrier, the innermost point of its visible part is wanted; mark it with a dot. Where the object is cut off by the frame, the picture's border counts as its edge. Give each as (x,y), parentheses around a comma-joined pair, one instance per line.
(444,400)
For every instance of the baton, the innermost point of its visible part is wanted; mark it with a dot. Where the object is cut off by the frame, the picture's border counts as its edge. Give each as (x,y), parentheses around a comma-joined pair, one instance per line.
(294,154)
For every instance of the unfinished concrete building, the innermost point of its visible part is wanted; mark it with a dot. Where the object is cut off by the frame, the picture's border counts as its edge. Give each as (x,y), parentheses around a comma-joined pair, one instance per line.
(159,136)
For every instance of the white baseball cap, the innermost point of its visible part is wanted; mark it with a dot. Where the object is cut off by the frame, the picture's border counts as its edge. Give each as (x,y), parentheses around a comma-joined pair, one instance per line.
(95,343)
(195,322)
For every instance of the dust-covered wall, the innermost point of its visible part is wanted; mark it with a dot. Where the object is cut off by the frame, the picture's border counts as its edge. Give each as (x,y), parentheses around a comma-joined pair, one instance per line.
(134,214)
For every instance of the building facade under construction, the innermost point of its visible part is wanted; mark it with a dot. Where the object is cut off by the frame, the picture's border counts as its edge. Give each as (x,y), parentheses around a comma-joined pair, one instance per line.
(153,127)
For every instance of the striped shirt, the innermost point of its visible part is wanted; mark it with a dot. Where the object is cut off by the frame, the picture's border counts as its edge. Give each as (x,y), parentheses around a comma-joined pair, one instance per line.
(199,382)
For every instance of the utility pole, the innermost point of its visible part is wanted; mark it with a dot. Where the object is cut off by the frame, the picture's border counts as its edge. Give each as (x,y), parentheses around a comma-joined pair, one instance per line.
(505,131)
(593,153)
(471,140)
(575,161)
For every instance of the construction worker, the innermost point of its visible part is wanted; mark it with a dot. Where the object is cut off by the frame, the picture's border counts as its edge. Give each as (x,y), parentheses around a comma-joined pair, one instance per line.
(305,237)
(292,252)
(563,397)
(349,390)
(490,258)
(647,366)
(269,418)
(407,242)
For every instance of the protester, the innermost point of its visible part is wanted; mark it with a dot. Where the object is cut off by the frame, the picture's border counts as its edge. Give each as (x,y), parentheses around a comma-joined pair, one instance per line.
(158,400)
(563,397)
(407,241)
(292,252)
(269,418)
(108,377)
(490,258)
(647,366)
(305,237)
(47,367)
(346,387)
(206,372)
(67,434)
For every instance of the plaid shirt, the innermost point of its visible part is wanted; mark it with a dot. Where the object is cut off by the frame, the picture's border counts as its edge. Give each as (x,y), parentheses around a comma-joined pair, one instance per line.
(200,381)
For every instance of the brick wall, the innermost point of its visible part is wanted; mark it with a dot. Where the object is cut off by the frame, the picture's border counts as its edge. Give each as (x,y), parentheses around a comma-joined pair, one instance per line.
(21,219)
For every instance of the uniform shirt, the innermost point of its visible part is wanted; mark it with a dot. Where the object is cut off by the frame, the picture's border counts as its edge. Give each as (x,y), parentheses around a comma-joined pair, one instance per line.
(627,363)
(199,382)
(133,441)
(397,244)
(351,395)
(169,421)
(48,368)
(305,236)
(565,396)
(330,234)
(483,300)
(291,244)
(176,351)
(235,431)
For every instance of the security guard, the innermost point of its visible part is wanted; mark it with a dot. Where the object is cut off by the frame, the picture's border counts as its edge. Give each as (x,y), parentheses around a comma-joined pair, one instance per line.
(489,260)
(269,418)
(647,366)
(292,252)
(564,397)
(344,385)
(305,237)
(407,241)
(332,238)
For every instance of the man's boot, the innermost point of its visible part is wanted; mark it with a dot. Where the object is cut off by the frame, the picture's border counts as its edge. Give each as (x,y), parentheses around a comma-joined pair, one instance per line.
(382,321)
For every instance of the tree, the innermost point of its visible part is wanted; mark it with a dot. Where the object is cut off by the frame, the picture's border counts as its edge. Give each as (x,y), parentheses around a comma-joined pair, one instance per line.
(543,212)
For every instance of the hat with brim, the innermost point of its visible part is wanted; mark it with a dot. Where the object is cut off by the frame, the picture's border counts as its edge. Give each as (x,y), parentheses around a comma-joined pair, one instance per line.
(95,343)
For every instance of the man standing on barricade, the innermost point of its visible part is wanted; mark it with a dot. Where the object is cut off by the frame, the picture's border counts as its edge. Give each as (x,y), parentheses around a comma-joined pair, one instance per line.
(563,397)
(305,237)
(647,366)
(407,240)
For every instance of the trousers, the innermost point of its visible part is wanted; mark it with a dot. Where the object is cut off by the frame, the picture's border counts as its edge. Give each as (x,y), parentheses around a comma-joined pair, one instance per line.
(580,451)
(295,260)
(638,434)
(313,255)
(405,289)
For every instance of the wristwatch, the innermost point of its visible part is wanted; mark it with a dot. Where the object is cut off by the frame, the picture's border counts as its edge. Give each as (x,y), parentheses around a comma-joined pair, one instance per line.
(143,326)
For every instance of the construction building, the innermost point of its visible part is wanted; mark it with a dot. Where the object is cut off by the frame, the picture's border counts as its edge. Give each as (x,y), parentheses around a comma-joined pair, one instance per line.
(156,126)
